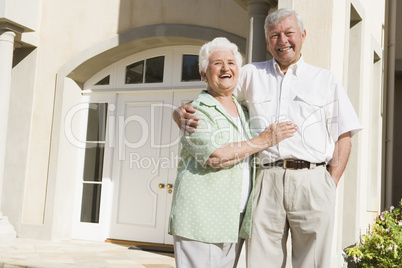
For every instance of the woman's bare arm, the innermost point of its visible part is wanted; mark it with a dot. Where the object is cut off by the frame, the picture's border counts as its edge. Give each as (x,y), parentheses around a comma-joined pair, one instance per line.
(232,153)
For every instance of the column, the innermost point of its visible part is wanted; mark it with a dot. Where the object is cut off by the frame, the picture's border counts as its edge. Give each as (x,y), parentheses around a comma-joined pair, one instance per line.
(257,11)
(7,231)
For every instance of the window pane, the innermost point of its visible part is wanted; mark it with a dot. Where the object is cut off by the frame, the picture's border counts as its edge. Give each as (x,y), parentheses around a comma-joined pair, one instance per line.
(93,163)
(104,81)
(135,73)
(91,196)
(96,126)
(190,69)
(154,70)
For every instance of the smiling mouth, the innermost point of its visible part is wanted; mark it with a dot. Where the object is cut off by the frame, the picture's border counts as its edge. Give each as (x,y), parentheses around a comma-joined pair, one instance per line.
(284,49)
(225,76)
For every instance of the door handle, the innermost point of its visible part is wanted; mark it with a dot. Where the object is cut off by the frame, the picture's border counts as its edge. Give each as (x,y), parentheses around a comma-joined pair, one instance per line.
(169,187)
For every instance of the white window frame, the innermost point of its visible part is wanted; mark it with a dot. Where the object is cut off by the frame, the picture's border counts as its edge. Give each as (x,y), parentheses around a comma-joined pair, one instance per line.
(172,72)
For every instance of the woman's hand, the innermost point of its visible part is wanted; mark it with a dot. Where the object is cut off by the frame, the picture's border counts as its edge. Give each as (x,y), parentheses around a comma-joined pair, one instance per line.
(277,132)
(232,153)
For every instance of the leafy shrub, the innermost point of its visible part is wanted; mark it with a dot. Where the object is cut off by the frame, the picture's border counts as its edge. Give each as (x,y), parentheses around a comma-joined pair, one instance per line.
(381,247)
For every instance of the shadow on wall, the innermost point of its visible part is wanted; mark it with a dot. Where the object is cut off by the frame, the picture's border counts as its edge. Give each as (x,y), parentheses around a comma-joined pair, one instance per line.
(397,168)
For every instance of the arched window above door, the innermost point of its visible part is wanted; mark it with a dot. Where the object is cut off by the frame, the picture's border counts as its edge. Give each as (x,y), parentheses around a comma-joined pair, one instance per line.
(189,68)
(104,81)
(146,71)
(162,68)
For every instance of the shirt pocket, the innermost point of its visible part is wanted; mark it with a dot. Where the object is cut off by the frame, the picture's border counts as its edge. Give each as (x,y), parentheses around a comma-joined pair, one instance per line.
(311,100)
(260,111)
(309,106)
(312,123)
(261,98)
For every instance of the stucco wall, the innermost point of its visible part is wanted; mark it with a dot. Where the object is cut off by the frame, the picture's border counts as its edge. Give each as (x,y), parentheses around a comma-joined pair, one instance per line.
(318,44)
(23,13)
(65,29)
(225,14)
(19,126)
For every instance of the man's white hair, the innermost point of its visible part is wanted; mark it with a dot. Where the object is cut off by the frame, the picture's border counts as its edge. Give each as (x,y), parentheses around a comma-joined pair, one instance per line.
(277,16)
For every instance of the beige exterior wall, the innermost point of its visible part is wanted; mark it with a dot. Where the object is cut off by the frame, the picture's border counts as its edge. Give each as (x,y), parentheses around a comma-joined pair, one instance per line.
(224,14)
(78,25)
(362,198)
(318,43)
(75,39)
(25,14)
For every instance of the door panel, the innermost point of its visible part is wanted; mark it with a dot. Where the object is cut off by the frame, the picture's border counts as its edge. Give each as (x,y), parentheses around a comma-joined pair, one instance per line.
(145,162)
(179,98)
(136,170)
(139,204)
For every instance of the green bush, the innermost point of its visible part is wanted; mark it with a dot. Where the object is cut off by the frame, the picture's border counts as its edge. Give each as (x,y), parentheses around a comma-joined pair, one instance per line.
(381,247)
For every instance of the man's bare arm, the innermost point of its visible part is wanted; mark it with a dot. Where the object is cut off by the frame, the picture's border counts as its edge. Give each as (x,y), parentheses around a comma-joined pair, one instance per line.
(185,119)
(341,156)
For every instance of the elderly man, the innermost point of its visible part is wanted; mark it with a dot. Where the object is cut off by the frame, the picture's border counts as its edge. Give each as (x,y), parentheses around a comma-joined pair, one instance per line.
(296,180)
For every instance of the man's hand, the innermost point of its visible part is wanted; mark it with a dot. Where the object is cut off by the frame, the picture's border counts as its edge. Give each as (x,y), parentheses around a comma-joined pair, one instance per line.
(340,158)
(185,119)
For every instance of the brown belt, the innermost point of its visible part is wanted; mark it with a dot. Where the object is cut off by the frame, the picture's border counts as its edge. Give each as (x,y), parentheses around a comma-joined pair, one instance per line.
(293,164)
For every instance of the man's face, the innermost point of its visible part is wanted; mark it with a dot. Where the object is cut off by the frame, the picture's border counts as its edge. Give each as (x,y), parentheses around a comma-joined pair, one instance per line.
(285,42)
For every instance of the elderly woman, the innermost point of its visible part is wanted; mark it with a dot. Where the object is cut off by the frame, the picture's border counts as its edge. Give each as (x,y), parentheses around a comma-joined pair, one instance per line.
(213,182)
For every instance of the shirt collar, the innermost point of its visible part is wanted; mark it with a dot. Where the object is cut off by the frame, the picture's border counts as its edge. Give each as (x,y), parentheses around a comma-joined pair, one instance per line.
(295,68)
(206,99)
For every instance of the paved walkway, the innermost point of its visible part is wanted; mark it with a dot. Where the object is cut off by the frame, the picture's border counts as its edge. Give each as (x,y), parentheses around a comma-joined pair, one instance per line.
(77,253)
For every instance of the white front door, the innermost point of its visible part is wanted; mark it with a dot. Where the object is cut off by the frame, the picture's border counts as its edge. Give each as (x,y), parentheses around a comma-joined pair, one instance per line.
(145,163)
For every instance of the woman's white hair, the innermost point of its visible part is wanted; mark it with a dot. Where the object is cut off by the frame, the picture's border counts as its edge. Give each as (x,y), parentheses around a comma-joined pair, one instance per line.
(277,16)
(217,44)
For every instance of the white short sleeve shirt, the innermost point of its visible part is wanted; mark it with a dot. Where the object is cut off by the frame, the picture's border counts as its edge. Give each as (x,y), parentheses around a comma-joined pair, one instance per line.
(309,96)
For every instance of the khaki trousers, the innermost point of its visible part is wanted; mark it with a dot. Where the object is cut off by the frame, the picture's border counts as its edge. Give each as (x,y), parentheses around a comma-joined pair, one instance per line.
(302,201)
(195,254)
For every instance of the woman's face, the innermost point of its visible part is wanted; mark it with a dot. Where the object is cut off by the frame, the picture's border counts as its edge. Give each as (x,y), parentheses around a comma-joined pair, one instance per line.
(222,72)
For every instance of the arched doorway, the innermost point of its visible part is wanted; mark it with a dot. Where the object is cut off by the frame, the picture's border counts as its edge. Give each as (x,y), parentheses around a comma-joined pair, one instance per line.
(130,144)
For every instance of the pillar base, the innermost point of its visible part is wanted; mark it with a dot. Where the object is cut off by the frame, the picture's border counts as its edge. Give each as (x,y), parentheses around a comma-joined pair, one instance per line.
(7,232)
